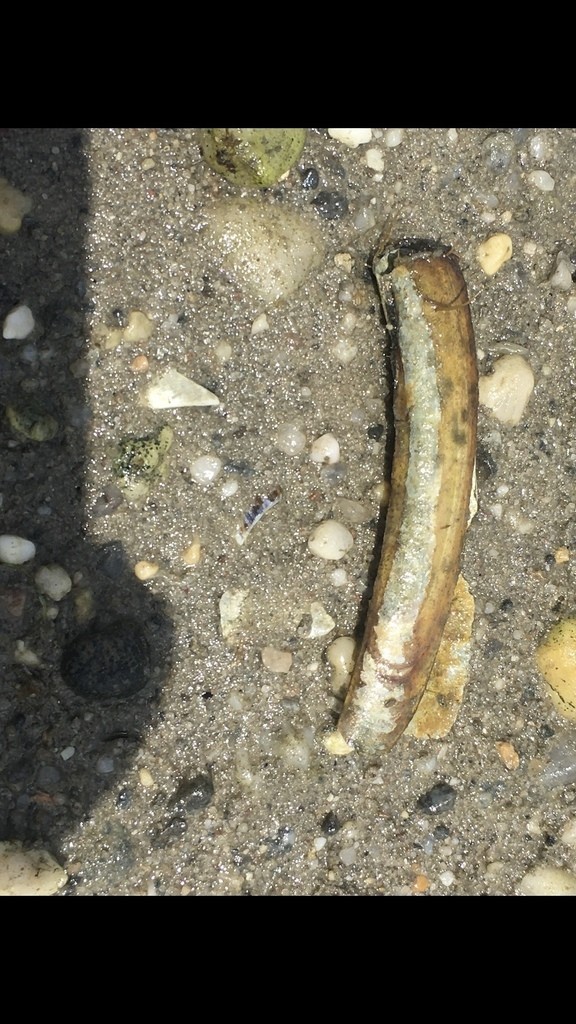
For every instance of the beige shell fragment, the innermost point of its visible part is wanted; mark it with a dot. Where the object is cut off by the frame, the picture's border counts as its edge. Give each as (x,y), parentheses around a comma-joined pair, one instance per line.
(14,205)
(29,872)
(172,390)
(556,659)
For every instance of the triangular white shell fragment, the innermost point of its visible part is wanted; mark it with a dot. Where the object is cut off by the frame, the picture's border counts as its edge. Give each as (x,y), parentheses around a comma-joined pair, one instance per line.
(172,390)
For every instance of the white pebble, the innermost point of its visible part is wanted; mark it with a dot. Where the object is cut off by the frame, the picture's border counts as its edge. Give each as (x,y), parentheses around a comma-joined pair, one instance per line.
(205,469)
(325,449)
(344,351)
(290,439)
(506,391)
(494,253)
(276,660)
(547,881)
(542,180)
(322,622)
(393,137)
(67,753)
(15,550)
(339,577)
(561,277)
(447,878)
(341,656)
(330,540)
(352,137)
(375,159)
(259,325)
(539,148)
(53,581)
(348,856)
(18,324)
(229,487)
(568,834)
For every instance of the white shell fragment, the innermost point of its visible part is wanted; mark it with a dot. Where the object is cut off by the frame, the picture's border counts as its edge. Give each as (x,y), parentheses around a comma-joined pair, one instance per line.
(29,872)
(172,390)
(325,449)
(352,137)
(15,550)
(322,623)
(330,540)
(230,610)
(14,205)
(18,324)
(506,391)
(494,253)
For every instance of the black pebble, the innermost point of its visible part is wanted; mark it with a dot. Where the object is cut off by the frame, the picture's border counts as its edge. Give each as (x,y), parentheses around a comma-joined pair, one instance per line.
(107,661)
(310,177)
(330,824)
(331,205)
(193,794)
(439,799)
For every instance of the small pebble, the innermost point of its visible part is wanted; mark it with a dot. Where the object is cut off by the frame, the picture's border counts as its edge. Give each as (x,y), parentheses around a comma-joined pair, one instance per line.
(393,137)
(547,881)
(352,137)
(15,550)
(259,325)
(374,159)
(341,656)
(561,277)
(206,469)
(330,540)
(447,878)
(144,570)
(321,623)
(276,660)
(53,581)
(290,439)
(140,364)
(145,778)
(14,205)
(325,449)
(507,390)
(542,180)
(494,253)
(192,555)
(438,800)
(508,755)
(561,556)
(348,856)
(420,884)
(138,329)
(193,794)
(310,178)
(18,324)
(568,834)
(331,205)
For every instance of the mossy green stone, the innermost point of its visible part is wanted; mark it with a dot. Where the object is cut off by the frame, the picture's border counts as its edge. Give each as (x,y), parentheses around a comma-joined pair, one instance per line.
(252,157)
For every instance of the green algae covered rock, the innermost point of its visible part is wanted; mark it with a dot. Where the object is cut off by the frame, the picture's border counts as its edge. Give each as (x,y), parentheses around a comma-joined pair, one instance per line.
(252,157)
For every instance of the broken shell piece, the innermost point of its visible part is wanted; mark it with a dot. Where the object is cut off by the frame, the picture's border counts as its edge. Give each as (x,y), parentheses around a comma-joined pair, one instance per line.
(263,503)
(172,390)
(230,608)
(14,205)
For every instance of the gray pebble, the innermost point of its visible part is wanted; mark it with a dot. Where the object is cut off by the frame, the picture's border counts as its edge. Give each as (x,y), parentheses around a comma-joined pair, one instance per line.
(439,799)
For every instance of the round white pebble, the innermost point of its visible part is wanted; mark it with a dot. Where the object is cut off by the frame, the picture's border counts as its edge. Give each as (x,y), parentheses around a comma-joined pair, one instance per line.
(53,581)
(325,449)
(352,137)
(290,439)
(393,137)
(15,550)
(547,881)
(330,540)
(542,180)
(205,469)
(506,391)
(494,252)
(18,324)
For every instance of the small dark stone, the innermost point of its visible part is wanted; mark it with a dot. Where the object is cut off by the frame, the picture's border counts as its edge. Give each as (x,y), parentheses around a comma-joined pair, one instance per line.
(193,794)
(507,605)
(375,431)
(124,799)
(310,178)
(107,662)
(441,832)
(331,205)
(330,824)
(438,800)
